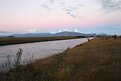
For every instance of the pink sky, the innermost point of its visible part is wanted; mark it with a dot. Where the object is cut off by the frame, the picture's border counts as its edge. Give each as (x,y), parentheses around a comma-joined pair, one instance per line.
(55,15)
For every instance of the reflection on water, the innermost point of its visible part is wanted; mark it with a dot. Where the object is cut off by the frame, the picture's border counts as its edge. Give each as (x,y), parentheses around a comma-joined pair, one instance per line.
(38,50)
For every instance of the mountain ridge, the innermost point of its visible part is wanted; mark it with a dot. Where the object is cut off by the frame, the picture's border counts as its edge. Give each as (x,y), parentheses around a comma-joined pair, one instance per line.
(63,33)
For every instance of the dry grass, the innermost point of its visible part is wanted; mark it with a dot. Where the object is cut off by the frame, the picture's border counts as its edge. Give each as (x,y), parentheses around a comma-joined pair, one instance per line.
(96,60)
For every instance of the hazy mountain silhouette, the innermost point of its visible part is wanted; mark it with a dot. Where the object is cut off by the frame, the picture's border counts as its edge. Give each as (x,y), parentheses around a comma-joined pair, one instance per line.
(4,33)
(67,33)
(33,35)
(64,33)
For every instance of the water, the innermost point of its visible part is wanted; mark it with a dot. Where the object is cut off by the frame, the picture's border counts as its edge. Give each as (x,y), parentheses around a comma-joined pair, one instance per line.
(38,50)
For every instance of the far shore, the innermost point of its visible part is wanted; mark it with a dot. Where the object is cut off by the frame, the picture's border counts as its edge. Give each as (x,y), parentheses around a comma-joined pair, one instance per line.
(22,40)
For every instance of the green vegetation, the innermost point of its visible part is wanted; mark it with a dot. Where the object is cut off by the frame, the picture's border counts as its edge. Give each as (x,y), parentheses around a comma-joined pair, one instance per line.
(8,40)
(96,60)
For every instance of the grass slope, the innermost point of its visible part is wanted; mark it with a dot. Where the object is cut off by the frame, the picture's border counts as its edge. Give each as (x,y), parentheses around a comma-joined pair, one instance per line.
(96,60)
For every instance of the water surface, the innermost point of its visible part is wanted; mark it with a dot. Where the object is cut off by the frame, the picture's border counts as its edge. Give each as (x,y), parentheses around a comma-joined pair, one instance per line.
(39,49)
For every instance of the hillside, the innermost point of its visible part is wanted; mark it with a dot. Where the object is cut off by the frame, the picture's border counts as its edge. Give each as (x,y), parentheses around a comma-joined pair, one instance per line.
(64,33)
(96,60)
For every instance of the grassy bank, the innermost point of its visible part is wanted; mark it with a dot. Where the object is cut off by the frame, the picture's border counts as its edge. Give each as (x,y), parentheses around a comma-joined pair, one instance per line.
(14,40)
(96,60)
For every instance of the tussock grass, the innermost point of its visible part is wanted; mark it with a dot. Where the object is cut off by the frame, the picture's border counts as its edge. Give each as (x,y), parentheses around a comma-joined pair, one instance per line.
(96,60)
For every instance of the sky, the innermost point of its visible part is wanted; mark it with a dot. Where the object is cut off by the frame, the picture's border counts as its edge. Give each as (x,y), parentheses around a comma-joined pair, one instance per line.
(42,16)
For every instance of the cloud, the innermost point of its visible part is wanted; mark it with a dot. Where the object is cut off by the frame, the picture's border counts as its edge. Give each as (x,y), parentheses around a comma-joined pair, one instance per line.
(61,30)
(111,5)
(74,8)
(69,30)
(70,7)
(33,30)
(77,8)
(75,30)
(47,4)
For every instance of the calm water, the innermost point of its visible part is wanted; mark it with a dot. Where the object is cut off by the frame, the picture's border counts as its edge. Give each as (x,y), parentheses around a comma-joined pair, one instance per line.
(38,50)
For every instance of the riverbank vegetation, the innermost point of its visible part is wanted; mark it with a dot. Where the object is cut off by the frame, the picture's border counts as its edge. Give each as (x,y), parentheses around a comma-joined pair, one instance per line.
(96,60)
(20,40)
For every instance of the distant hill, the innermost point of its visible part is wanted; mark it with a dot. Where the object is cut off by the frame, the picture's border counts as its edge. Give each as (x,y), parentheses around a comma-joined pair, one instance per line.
(4,33)
(68,33)
(64,33)
(33,35)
